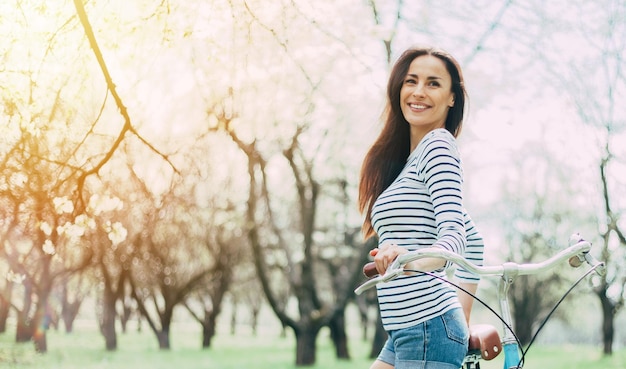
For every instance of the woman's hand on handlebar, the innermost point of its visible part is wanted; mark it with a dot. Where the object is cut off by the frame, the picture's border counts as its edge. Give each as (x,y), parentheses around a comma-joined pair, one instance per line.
(387,253)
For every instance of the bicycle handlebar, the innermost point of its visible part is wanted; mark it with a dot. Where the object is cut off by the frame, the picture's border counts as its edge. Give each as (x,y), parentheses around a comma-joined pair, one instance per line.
(577,253)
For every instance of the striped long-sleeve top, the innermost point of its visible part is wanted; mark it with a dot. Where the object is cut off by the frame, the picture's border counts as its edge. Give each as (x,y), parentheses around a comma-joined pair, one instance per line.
(423,207)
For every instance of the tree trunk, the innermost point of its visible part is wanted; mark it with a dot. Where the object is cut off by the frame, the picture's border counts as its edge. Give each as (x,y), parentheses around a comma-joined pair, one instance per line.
(69,312)
(608,323)
(5,306)
(306,347)
(254,322)
(39,331)
(40,341)
(338,334)
(211,315)
(207,335)
(233,320)
(107,325)
(163,336)
(525,309)
(208,327)
(69,309)
(4,315)
(24,330)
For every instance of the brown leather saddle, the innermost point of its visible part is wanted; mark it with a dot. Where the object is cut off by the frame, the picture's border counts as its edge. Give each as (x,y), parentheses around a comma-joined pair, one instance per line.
(484,340)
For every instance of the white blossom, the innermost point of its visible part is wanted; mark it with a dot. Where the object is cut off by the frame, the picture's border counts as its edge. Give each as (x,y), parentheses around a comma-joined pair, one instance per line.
(85,221)
(48,247)
(46,228)
(99,204)
(15,277)
(71,230)
(63,205)
(116,232)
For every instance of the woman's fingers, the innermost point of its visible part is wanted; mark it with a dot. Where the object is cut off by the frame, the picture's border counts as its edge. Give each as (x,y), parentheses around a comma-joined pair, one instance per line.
(384,255)
(379,260)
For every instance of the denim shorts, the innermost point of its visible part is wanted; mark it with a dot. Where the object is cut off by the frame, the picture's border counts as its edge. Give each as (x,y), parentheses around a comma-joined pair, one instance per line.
(438,343)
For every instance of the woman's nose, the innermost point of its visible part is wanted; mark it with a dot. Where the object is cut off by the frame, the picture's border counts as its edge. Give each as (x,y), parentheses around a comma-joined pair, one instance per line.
(418,90)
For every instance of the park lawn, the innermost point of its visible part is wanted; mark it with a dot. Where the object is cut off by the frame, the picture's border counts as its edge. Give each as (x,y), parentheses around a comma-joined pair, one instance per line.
(138,350)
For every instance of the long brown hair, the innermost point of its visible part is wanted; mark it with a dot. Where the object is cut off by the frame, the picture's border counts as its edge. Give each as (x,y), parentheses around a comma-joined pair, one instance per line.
(387,156)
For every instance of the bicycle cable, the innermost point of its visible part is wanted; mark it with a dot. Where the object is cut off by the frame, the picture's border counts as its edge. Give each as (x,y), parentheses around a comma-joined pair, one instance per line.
(543,323)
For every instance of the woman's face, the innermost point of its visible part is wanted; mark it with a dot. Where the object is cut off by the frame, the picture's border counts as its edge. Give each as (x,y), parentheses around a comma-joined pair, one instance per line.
(426,94)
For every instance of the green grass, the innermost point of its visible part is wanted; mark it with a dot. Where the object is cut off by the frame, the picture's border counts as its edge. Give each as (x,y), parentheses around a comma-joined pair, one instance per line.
(138,350)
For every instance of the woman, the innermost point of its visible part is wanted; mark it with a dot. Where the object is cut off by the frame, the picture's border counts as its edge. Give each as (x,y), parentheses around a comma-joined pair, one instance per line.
(411,193)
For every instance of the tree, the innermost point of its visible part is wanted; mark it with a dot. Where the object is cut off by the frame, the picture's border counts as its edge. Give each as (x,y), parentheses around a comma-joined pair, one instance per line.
(43,238)
(49,154)
(343,278)
(301,276)
(602,71)
(167,264)
(225,251)
(112,265)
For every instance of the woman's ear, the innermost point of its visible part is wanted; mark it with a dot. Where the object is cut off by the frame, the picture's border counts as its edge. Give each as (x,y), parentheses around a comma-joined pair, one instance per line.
(451,103)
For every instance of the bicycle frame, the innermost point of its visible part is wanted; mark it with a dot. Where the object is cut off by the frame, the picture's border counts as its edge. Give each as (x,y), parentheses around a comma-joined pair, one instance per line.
(576,253)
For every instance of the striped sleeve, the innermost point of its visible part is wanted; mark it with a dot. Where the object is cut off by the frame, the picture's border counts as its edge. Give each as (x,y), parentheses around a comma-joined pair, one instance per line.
(473,252)
(441,170)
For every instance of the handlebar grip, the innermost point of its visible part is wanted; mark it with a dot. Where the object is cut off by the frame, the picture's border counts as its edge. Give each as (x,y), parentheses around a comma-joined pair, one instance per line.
(369,269)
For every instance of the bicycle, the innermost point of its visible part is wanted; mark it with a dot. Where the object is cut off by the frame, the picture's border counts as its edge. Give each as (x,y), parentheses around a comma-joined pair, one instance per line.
(485,342)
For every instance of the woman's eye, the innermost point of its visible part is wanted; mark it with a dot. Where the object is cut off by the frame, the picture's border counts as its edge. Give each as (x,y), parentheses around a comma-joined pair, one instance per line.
(434,84)
(410,81)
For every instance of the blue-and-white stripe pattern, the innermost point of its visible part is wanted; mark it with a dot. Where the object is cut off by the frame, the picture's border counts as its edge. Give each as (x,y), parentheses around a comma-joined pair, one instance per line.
(423,207)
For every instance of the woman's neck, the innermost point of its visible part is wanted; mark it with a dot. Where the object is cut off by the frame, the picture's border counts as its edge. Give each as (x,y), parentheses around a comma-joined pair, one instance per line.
(418,133)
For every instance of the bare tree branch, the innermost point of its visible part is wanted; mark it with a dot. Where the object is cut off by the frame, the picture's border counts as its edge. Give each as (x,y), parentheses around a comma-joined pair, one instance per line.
(284,46)
(488,32)
(389,40)
(127,127)
(335,38)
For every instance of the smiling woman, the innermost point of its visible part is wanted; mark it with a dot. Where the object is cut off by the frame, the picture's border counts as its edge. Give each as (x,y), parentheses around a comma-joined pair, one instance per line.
(411,194)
